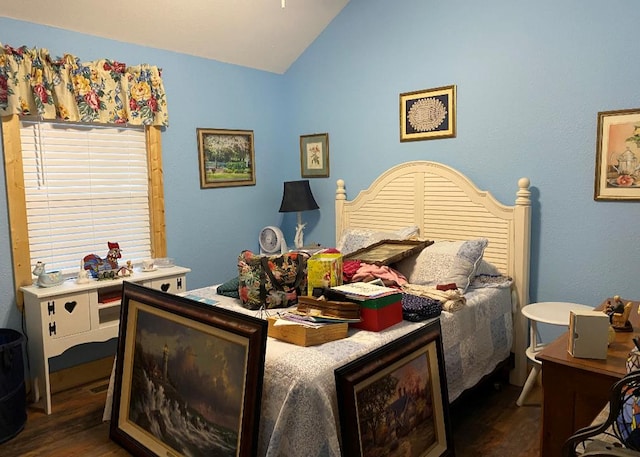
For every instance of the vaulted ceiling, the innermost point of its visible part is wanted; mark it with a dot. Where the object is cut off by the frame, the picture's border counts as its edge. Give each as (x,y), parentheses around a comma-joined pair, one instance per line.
(258,34)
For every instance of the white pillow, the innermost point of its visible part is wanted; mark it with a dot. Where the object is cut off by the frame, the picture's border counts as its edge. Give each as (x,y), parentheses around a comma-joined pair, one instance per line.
(444,262)
(355,239)
(487,268)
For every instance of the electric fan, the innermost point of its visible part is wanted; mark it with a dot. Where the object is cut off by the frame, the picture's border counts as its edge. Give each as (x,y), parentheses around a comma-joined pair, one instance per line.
(272,241)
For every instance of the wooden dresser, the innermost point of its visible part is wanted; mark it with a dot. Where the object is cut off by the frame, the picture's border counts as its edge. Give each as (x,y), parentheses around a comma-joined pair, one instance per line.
(575,389)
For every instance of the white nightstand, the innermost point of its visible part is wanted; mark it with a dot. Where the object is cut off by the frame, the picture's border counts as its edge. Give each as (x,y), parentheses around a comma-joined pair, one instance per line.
(61,317)
(553,313)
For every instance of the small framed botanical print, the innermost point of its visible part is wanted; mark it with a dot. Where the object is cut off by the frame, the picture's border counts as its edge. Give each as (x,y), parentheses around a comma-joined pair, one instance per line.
(314,155)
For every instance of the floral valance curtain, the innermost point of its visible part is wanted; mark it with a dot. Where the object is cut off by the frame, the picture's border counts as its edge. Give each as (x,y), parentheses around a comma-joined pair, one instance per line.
(102,91)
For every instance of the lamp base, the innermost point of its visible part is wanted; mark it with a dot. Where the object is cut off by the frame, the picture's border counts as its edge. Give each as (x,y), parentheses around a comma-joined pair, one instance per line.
(298,240)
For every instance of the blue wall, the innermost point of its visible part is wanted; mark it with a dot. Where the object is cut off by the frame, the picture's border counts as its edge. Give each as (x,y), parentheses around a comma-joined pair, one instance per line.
(531,78)
(206,228)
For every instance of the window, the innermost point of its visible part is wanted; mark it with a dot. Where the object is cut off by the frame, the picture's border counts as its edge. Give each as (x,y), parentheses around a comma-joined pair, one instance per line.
(108,226)
(84,185)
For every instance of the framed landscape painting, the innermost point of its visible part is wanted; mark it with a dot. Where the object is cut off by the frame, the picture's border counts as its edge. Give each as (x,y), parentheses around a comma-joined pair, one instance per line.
(188,378)
(226,158)
(394,401)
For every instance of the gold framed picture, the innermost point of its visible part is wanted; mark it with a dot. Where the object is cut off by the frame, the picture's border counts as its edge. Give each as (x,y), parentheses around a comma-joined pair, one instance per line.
(226,158)
(618,155)
(158,369)
(373,389)
(428,114)
(386,252)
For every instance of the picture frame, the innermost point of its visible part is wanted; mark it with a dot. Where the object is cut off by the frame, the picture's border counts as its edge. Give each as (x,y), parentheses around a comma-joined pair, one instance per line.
(618,155)
(396,398)
(314,155)
(386,252)
(428,114)
(226,158)
(174,351)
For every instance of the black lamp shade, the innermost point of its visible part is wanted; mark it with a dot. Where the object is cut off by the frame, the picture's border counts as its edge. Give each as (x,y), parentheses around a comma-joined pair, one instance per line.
(297,196)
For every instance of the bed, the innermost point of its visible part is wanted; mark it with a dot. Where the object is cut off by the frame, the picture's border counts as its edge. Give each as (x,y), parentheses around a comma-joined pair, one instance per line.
(299,404)
(445,205)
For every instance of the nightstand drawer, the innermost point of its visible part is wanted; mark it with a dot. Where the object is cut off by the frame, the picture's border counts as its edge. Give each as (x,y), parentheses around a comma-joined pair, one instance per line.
(172,285)
(67,314)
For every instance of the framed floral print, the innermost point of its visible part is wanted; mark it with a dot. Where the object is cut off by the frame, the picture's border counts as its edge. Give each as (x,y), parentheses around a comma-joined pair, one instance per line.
(618,155)
(428,114)
(226,158)
(188,377)
(314,155)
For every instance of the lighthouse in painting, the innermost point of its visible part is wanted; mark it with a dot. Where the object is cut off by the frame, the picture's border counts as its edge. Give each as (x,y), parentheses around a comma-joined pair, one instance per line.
(165,362)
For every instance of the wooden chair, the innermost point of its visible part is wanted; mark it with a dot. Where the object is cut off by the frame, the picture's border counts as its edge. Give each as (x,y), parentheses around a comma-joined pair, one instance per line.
(617,435)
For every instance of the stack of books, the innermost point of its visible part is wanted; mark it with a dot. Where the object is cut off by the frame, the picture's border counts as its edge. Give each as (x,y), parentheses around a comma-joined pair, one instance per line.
(361,291)
(380,306)
(328,308)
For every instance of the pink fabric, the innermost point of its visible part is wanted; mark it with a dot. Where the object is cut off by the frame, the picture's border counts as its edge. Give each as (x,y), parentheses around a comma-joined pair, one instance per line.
(349,268)
(366,271)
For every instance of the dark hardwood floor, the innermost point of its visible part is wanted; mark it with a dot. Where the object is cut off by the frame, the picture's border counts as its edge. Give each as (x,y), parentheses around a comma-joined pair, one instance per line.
(487,423)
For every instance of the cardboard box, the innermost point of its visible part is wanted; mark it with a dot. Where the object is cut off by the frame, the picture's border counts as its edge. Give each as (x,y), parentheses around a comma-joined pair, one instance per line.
(588,334)
(324,270)
(306,336)
(380,313)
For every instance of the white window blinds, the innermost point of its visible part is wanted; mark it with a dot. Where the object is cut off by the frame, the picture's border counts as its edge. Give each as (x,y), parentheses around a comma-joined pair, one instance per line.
(84,186)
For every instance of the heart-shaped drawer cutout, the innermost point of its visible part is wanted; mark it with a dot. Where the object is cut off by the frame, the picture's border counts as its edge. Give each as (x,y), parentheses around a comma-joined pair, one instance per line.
(70,306)
(164,287)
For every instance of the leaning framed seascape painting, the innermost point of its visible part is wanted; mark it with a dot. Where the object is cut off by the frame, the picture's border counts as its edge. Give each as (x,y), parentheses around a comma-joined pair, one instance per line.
(393,401)
(226,158)
(188,377)
(618,155)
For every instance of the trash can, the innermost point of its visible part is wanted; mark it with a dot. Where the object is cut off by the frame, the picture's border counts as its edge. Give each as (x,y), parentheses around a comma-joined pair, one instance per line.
(13,396)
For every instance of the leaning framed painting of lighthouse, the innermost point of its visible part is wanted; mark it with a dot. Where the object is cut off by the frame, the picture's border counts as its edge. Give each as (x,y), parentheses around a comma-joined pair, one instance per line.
(188,377)
(618,155)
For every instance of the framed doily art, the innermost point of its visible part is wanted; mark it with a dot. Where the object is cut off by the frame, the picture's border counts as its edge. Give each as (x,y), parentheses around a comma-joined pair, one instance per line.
(428,114)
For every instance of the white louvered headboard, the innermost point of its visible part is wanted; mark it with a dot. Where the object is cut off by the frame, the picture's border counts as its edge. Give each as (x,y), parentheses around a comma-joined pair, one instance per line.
(446,205)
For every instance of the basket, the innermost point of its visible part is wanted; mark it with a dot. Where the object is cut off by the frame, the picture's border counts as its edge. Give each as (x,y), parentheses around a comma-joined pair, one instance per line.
(416,308)
(13,410)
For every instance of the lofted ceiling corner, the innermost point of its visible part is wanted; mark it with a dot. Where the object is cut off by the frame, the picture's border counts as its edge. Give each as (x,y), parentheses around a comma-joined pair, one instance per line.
(258,34)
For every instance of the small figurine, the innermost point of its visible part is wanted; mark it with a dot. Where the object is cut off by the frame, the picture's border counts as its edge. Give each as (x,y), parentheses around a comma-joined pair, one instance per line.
(618,314)
(83,275)
(95,265)
(38,269)
(124,272)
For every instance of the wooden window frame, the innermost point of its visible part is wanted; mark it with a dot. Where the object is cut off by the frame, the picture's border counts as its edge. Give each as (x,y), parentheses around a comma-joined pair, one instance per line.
(16,203)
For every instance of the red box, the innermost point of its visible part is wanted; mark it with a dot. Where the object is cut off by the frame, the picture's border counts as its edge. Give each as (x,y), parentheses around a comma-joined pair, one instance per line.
(379,314)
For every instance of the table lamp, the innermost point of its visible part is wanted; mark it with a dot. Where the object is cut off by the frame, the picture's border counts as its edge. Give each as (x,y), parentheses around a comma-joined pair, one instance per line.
(297,196)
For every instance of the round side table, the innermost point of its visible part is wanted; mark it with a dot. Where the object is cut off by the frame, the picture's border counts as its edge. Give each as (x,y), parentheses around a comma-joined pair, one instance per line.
(553,313)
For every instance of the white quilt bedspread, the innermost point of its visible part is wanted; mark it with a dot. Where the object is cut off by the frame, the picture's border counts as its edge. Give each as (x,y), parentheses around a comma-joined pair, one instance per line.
(300,415)
(476,338)
(299,405)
